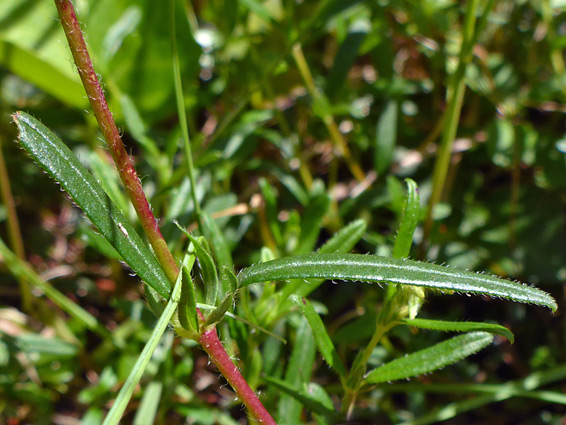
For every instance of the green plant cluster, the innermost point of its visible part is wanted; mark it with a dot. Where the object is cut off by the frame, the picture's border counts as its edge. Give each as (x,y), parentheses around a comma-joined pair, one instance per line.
(328,176)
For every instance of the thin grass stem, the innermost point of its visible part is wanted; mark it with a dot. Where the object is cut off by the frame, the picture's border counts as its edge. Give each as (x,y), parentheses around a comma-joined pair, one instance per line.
(455,97)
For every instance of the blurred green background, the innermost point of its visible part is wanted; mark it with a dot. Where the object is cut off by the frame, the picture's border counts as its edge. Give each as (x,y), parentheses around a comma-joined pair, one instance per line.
(270,170)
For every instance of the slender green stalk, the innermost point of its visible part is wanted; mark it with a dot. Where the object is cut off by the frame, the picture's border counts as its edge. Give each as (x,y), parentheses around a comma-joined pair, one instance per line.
(387,319)
(14,232)
(455,97)
(111,134)
(135,375)
(327,117)
(182,113)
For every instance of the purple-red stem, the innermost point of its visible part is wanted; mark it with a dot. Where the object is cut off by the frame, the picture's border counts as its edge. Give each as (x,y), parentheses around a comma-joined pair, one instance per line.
(209,339)
(212,345)
(111,134)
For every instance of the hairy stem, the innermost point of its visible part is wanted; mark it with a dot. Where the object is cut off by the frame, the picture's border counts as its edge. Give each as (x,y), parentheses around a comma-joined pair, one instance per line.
(212,345)
(112,136)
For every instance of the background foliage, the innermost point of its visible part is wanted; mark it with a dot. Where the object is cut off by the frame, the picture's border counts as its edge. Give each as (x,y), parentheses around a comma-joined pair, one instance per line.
(269,169)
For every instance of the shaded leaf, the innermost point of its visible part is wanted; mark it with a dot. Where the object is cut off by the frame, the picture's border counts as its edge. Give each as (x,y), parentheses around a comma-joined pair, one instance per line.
(431,358)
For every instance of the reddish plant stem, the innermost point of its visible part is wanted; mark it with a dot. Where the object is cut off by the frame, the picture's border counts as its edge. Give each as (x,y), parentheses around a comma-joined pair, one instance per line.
(209,339)
(212,345)
(111,134)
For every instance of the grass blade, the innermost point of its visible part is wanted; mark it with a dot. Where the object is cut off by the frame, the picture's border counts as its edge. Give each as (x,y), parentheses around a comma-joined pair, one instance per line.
(448,326)
(121,402)
(431,358)
(371,268)
(56,158)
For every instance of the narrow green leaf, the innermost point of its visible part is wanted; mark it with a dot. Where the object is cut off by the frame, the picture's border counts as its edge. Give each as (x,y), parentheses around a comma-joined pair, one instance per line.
(44,75)
(386,137)
(227,275)
(218,314)
(55,157)
(207,268)
(409,222)
(310,401)
(188,303)
(345,58)
(321,337)
(371,268)
(345,239)
(431,358)
(447,326)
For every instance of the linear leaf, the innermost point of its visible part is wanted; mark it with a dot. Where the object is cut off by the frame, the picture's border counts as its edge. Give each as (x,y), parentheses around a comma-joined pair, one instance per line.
(409,222)
(431,358)
(218,313)
(188,303)
(448,326)
(321,338)
(371,268)
(56,158)
(207,268)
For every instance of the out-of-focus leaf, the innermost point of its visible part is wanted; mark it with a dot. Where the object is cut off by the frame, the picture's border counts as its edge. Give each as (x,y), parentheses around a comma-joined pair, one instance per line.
(386,137)
(43,75)
(147,409)
(298,373)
